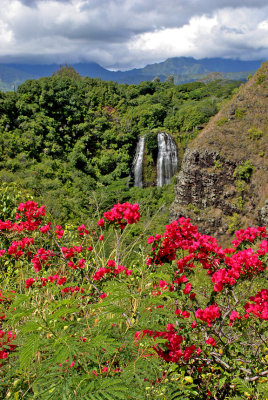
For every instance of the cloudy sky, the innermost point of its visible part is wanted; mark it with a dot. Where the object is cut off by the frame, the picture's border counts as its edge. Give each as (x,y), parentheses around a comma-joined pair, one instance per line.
(131,33)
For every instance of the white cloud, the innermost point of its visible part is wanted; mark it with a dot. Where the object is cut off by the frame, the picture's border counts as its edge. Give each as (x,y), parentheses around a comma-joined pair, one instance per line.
(174,41)
(209,36)
(131,32)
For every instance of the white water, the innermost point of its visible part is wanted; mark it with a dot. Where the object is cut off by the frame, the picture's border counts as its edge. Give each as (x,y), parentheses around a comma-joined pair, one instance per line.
(138,162)
(167,159)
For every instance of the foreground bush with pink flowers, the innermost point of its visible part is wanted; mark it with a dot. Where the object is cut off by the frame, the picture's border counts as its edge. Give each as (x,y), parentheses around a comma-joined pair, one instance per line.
(93,312)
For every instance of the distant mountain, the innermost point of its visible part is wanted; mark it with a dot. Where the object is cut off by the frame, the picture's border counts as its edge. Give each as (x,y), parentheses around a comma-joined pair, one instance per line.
(183,69)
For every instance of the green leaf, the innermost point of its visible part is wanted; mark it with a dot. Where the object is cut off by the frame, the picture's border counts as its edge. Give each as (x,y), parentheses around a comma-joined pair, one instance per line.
(28,350)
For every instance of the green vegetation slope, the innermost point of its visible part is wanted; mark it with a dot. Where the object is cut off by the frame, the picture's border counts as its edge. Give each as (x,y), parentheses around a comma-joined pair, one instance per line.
(223,183)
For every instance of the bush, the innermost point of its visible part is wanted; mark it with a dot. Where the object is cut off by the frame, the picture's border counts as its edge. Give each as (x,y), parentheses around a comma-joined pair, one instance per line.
(244,171)
(234,223)
(254,133)
(239,113)
(94,312)
(260,78)
(218,164)
(222,121)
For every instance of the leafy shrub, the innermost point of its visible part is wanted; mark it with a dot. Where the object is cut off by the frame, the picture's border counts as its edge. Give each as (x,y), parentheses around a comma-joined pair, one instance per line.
(240,203)
(218,164)
(254,133)
(151,144)
(234,223)
(244,171)
(192,207)
(260,78)
(239,113)
(81,318)
(10,195)
(222,121)
(240,186)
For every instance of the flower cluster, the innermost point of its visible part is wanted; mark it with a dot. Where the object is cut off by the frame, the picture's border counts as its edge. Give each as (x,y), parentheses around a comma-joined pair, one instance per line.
(43,281)
(181,234)
(122,214)
(111,271)
(173,351)
(41,257)
(224,267)
(248,235)
(72,251)
(233,317)
(59,231)
(259,307)
(16,248)
(6,345)
(209,314)
(243,263)
(81,264)
(30,215)
(82,230)
(72,289)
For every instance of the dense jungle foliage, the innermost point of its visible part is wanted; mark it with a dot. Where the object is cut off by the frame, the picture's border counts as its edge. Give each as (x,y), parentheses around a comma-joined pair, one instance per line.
(65,136)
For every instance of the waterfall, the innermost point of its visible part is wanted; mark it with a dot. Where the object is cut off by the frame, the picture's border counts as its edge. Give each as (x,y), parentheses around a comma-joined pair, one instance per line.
(138,162)
(167,159)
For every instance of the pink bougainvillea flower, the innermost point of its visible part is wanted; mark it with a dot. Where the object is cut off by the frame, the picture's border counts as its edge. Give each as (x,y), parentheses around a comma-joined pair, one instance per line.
(211,341)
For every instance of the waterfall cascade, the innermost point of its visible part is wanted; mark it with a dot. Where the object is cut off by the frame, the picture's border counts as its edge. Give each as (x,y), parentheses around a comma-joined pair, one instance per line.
(138,162)
(167,159)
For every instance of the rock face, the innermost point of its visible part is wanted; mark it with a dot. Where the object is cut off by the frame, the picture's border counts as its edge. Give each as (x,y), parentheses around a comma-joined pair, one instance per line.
(213,187)
(200,183)
(203,192)
(263,215)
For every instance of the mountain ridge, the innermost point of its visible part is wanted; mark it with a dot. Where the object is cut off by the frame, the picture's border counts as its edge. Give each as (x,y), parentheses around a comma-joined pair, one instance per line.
(183,69)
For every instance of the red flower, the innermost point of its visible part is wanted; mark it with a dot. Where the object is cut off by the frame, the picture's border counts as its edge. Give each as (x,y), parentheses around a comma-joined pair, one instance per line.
(185,314)
(187,289)
(59,231)
(111,263)
(209,314)
(211,341)
(82,230)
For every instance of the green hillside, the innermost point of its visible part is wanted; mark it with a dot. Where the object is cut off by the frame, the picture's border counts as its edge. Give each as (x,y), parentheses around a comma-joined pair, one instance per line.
(223,184)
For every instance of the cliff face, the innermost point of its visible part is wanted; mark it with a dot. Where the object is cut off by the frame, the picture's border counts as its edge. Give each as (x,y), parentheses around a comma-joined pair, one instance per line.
(223,182)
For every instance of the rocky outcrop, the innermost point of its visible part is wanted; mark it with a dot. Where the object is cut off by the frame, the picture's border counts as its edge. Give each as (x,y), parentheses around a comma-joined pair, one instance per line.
(263,214)
(204,190)
(209,188)
(201,183)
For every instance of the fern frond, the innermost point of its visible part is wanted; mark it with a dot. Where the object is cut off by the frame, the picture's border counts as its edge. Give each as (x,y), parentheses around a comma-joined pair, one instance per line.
(28,350)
